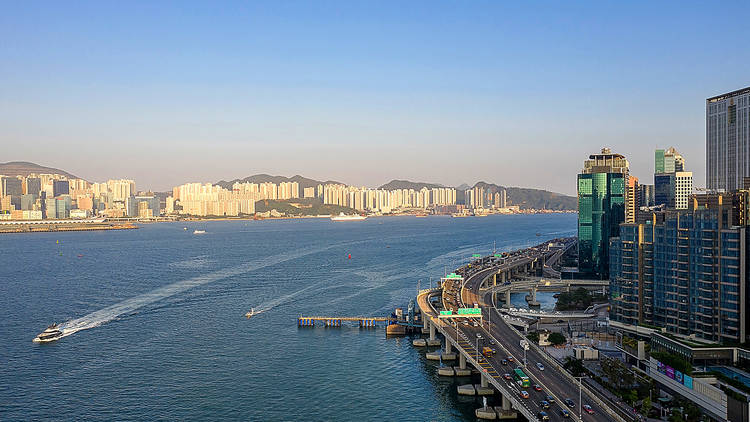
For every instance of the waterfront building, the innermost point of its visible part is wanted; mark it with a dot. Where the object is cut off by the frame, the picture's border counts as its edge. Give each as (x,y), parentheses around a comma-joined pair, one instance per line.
(685,270)
(727,140)
(309,192)
(601,209)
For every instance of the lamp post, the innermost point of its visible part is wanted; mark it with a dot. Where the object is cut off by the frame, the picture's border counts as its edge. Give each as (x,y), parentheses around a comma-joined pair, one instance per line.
(580,399)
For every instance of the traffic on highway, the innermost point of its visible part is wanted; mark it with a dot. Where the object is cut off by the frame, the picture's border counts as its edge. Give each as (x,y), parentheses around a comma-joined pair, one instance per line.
(539,386)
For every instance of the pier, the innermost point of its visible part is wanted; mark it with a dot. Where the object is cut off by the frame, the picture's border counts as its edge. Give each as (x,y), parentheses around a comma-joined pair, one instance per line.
(326,321)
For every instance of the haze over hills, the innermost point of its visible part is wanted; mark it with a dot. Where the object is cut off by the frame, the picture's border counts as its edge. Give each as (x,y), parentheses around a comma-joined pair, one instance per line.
(24,168)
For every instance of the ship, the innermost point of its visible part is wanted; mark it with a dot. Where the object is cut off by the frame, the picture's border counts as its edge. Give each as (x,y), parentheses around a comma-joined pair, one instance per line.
(199,232)
(344,217)
(52,333)
(251,313)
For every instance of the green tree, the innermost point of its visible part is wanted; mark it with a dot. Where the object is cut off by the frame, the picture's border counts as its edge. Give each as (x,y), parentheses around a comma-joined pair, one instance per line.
(556,339)
(646,406)
(533,336)
(574,366)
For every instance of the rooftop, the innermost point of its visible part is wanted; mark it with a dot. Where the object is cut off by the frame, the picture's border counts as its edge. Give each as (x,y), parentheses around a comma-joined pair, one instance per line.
(729,94)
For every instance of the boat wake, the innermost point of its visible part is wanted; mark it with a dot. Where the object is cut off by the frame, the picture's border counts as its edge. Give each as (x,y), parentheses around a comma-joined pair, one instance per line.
(129,306)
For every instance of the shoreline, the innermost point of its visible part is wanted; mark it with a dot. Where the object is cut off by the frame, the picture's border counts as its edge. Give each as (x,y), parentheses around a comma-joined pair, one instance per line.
(51,228)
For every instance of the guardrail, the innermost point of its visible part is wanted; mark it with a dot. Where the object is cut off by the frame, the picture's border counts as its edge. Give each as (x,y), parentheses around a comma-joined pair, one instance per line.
(565,373)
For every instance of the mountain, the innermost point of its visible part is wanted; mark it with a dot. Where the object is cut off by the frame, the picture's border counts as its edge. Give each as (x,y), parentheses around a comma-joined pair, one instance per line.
(304,182)
(527,198)
(405,184)
(24,168)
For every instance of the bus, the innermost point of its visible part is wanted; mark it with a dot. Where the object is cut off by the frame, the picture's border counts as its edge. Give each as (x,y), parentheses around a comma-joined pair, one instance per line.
(521,378)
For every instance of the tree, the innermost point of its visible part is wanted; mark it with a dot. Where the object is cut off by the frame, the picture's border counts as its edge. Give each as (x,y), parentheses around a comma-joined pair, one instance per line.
(574,366)
(533,336)
(646,406)
(556,339)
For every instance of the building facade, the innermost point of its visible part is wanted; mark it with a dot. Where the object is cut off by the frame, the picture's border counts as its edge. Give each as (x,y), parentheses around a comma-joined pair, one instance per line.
(728,140)
(601,209)
(686,270)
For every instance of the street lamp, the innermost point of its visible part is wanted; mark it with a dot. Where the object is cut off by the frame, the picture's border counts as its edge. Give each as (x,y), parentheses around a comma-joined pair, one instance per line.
(580,399)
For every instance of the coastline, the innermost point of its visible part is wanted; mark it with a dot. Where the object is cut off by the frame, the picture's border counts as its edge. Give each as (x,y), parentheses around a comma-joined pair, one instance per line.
(47,228)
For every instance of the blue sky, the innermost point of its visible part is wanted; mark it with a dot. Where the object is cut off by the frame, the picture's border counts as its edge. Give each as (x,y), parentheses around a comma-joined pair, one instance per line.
(362,92)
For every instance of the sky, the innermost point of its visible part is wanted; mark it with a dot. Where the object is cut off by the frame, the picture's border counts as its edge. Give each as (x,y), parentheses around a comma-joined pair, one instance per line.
(513,93)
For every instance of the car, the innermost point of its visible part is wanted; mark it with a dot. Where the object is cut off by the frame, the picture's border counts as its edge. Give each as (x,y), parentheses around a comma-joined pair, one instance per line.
(537,387)
(543,416)
(492,342)
(570,403)
(479,336)
(466,323)
(504,361)
(475,324)
(588,409)
(564,413)
(544,404)
(507,377)
(510,359)
(540,366)
(550,399)
(524,394)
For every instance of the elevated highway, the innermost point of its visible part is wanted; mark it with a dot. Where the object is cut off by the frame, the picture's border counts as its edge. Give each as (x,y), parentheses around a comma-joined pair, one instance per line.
(476,287)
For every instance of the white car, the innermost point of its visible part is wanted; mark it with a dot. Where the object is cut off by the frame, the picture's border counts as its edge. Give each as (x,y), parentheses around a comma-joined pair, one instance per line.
(540,366)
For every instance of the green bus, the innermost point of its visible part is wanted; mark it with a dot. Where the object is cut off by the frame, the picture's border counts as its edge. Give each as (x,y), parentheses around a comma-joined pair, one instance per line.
(521,378)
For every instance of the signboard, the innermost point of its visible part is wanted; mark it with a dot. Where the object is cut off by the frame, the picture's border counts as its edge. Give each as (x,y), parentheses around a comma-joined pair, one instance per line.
(476,255)
(452,276)
(446,312)
(497,255)
(670,371)
(687,381)
(469,311)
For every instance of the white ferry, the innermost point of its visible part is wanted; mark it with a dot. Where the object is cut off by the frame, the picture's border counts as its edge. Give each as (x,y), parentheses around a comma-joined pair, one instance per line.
(344,217)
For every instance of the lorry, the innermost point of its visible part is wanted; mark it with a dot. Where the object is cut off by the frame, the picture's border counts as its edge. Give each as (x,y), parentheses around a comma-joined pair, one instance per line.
(487,351)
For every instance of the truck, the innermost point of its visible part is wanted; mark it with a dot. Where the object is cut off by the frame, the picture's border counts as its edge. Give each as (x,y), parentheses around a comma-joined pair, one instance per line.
(487,351)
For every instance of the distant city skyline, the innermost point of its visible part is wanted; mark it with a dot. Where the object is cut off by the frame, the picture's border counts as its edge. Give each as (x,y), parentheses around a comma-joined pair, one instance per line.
(362,93)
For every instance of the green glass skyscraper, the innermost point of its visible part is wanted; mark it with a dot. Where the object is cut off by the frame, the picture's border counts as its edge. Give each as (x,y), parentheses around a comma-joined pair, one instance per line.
(601,209)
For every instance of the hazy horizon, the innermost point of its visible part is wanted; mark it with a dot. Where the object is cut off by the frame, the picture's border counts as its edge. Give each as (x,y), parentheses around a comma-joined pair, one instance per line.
(511,94)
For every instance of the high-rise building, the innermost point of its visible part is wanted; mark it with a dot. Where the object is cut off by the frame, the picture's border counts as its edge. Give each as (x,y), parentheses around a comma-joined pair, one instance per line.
(601,209)
(11,186)
(672,184)
(646,195)
(33,185)
(685,270)
(664,189)
(632,200)
(60,187)
(727,140)
(683,189)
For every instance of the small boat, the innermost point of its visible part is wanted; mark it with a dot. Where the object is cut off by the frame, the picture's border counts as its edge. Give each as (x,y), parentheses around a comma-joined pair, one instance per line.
(184,228)
(251,313)
(52,333)
(344,217)
(199,232)
(538,234)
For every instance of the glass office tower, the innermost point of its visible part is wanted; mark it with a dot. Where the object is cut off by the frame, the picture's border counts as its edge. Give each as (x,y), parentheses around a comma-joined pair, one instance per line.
(601,208)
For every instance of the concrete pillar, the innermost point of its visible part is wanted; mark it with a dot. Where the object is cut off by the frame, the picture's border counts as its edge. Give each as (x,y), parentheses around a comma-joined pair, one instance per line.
(506,403)
(484,381)
(533,294)
(432,330)
(462,361)
(507,298)
(426,320)
(448,346)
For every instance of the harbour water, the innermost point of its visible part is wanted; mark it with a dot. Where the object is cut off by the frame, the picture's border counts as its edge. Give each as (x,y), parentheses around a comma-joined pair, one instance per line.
(155,327)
